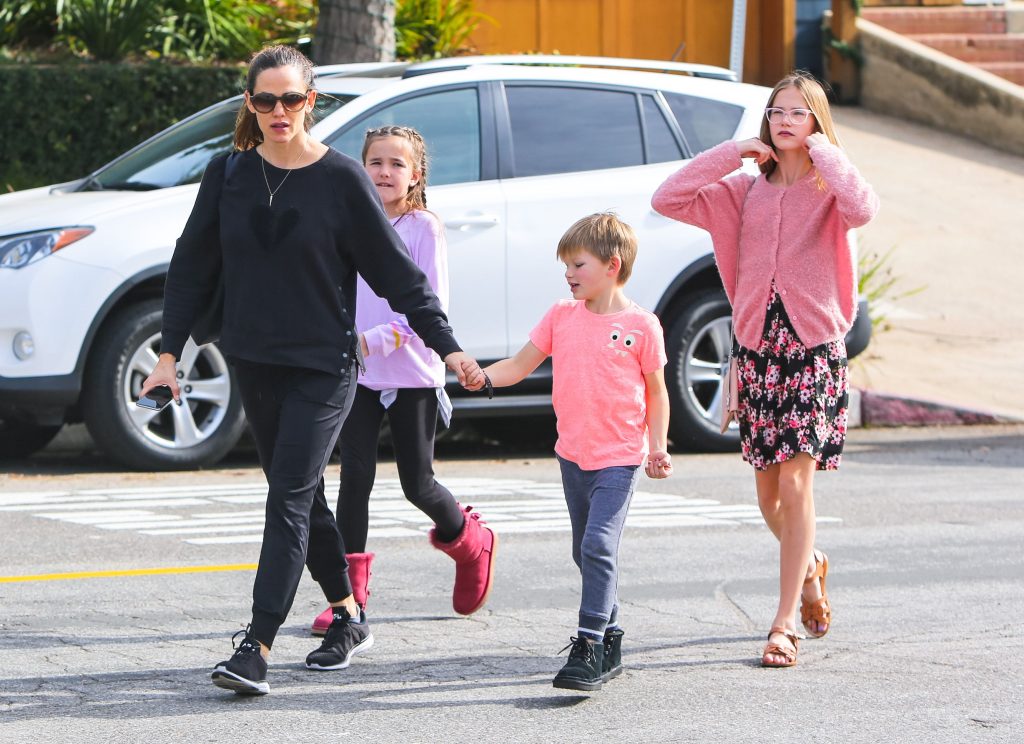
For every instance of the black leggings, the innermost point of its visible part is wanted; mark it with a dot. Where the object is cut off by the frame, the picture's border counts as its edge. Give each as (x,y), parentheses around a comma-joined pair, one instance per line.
(295,415)
(413,419)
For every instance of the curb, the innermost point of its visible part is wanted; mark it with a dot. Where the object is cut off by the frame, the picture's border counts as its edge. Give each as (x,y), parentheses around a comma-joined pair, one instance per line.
(871,408)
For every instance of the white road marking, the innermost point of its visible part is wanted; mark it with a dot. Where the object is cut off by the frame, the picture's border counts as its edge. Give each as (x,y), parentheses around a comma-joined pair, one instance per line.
(203,515)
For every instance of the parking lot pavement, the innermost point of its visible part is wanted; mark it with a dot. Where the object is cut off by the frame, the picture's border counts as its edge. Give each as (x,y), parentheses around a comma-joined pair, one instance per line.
(950,223)
(923,528)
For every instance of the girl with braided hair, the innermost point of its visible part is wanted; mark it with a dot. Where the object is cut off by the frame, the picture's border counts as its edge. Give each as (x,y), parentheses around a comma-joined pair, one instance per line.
(405,380)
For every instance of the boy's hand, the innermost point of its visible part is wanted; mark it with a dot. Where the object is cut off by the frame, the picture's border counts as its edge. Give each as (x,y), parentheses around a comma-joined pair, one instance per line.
(659,464)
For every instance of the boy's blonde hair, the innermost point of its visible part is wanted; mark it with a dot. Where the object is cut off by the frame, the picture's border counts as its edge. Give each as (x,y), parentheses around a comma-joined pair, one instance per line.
(604,236)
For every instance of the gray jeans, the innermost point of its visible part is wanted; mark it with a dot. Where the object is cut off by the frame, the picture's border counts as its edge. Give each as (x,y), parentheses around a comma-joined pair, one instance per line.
(598,501)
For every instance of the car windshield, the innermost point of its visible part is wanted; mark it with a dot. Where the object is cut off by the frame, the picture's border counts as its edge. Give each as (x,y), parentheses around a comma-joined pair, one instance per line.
(179,155)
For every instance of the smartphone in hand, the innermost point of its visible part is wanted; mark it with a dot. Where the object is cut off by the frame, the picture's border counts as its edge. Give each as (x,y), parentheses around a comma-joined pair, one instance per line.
(156,399)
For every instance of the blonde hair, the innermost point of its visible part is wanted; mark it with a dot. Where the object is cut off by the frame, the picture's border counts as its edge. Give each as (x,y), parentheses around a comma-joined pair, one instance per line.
(817,101)
(416,198)
(247,129)
(604,236)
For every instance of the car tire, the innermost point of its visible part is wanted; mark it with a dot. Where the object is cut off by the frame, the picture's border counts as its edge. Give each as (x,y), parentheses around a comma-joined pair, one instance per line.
(200,432)
(697,343)
(21,438)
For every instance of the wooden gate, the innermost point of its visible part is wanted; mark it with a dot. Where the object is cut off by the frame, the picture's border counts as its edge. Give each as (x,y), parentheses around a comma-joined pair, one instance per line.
(686,30)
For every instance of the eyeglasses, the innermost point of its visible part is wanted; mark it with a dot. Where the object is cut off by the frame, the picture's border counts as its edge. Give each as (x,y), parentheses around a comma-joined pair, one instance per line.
(797,116)
(267,102)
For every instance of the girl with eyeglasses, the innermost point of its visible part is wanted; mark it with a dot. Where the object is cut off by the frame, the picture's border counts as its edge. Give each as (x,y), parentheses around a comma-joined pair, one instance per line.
(790,274)
(405,380)
(285,223)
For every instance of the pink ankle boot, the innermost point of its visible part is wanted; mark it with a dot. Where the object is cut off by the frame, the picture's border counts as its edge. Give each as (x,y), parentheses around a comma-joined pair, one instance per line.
(473,552)
(359,576)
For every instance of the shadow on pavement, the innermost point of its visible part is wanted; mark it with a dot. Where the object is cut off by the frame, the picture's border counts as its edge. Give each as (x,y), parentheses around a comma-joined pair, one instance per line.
(445,683)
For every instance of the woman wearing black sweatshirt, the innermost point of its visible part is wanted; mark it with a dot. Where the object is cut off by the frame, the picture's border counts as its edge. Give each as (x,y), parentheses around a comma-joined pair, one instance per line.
(286,223)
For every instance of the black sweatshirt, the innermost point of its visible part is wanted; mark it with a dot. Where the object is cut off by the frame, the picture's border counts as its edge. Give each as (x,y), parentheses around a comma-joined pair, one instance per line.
(290,269)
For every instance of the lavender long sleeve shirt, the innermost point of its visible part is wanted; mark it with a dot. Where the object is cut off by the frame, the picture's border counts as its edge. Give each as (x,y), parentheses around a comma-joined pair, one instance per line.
(398,357)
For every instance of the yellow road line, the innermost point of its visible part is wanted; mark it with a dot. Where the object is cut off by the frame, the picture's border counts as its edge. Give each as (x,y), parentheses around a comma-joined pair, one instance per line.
(128,572)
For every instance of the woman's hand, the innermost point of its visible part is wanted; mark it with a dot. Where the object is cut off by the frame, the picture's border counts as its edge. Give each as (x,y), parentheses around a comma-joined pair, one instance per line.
(164,373)
(362,345)
(758,150)
(465,368)
(815,139)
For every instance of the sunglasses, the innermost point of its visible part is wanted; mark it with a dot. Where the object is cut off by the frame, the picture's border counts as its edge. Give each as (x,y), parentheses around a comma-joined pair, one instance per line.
(267,102)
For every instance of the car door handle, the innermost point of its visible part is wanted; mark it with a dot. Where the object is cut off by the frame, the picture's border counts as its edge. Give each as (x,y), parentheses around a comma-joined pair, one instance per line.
(468,222)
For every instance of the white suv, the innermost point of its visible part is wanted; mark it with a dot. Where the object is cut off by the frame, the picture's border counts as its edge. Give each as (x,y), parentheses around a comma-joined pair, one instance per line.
(521,147)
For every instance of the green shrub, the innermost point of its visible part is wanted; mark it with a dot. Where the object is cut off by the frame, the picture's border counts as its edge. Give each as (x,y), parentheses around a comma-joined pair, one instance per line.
(27,21)
(62,122)
(427,29)
(111,30)
(107,29)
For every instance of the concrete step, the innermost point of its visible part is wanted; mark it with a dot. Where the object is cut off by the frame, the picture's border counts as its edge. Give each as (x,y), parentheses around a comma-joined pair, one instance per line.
(939,20)
(974,48)
(1012,71)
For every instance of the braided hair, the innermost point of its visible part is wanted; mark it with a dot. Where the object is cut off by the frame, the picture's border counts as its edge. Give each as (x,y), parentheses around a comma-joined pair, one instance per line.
(417,196)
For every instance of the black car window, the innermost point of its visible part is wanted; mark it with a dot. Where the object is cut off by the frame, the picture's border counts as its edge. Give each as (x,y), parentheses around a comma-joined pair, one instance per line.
(704,122)
(561,130)
(449,121)
(661,144)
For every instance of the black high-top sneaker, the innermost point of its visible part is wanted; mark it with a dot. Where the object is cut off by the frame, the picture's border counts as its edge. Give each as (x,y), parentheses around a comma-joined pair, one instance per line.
(584,668)
(246,671)
(346,637)
(612,654)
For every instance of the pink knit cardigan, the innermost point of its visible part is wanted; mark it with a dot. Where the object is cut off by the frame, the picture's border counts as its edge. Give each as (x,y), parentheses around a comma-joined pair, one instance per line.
(794,235)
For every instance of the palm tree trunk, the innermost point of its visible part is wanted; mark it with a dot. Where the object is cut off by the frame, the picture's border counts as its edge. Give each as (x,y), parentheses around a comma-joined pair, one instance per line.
(355,31)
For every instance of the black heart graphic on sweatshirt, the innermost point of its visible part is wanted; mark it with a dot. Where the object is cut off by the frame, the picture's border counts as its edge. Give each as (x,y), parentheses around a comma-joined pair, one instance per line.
(270,227)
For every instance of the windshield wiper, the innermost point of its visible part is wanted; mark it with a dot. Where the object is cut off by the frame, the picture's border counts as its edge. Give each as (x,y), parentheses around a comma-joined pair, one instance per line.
(126,186)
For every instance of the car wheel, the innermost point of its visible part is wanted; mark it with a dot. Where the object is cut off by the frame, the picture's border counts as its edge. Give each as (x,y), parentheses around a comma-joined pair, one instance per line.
(697,344)
(199,432)
(21,438)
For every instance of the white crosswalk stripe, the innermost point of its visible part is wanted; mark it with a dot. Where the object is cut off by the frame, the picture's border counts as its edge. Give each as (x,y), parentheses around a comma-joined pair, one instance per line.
(202,515)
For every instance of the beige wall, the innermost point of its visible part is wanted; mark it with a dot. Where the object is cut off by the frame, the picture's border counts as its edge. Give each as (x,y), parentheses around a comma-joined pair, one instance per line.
(903,78)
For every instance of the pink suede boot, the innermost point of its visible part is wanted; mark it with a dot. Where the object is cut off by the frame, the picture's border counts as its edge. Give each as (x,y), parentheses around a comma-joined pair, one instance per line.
(473,552)
(359,576)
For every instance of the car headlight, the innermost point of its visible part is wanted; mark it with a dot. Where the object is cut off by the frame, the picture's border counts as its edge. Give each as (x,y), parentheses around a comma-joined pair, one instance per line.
(18,251)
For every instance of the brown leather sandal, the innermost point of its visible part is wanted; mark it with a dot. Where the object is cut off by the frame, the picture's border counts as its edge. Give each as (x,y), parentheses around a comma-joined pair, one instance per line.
(817,612)
(774,649)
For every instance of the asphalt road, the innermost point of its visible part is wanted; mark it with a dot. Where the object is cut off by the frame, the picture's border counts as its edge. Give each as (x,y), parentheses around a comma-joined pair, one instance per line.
(923,527)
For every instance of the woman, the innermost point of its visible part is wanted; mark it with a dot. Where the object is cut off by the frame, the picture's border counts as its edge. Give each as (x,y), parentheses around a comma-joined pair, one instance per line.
(286,223)
(781,247)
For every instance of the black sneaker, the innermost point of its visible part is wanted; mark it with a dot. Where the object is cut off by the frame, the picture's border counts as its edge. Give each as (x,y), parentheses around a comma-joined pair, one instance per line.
(612,666)
(583,669)
(343,640)
(246,671)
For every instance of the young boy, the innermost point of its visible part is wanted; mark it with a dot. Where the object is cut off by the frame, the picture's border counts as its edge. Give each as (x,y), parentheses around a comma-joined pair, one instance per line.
(612,407)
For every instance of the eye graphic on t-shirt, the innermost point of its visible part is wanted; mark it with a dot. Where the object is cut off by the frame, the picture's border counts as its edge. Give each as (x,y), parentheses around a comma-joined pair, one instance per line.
(628,339)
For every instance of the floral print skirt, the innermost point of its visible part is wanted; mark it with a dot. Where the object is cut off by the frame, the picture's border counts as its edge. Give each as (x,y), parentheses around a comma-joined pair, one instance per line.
(792,399)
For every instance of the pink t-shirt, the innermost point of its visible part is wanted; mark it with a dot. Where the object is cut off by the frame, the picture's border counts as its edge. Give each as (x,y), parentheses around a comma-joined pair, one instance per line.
(599,392)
